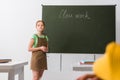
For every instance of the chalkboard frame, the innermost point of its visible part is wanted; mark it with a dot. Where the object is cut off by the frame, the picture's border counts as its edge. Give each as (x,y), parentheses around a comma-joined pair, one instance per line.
(51,50)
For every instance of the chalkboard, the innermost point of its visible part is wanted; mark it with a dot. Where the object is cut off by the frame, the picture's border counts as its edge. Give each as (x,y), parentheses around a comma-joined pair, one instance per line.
(79,29)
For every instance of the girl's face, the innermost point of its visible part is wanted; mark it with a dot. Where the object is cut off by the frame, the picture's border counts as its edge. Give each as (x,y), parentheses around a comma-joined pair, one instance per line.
(40,27)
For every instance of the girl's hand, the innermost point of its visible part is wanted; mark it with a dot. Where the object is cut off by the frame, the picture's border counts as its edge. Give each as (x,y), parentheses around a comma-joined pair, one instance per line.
(44,49)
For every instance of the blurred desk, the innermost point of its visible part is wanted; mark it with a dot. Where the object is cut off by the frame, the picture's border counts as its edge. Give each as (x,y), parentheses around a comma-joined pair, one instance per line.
(82,67)
(14,68)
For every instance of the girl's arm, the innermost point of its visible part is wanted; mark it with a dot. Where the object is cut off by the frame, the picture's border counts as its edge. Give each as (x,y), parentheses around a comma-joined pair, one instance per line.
(30,46)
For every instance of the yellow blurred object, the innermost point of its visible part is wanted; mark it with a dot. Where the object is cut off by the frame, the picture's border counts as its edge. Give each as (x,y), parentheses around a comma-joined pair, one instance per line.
(107,67)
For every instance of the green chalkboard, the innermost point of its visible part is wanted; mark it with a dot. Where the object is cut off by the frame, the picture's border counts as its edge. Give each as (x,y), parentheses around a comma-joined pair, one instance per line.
(79,29)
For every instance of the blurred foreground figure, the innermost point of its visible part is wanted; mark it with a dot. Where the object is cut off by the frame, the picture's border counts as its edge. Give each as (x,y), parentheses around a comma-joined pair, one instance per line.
(106,67)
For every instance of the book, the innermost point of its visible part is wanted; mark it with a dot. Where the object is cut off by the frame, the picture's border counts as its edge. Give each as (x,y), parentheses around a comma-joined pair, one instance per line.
(87,61)
(5,60)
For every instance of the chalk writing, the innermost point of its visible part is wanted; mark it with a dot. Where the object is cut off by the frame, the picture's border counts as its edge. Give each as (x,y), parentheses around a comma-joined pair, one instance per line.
(66,14)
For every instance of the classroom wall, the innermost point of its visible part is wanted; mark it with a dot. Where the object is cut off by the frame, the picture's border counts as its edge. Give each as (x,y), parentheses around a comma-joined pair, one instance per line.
(17,24)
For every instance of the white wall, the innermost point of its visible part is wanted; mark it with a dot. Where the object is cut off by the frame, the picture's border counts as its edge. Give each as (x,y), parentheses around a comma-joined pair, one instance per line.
(17,24)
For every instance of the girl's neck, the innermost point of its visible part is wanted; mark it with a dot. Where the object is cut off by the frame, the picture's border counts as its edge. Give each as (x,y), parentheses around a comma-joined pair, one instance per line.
(39,33)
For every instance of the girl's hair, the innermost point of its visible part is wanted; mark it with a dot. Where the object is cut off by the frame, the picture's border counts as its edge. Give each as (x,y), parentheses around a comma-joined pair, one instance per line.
(40,21)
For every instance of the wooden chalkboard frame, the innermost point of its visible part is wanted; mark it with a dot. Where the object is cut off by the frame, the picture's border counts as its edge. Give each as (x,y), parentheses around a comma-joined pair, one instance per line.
(54,31)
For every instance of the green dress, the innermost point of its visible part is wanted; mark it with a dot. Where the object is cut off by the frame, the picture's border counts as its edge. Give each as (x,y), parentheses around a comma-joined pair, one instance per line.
(38,59)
